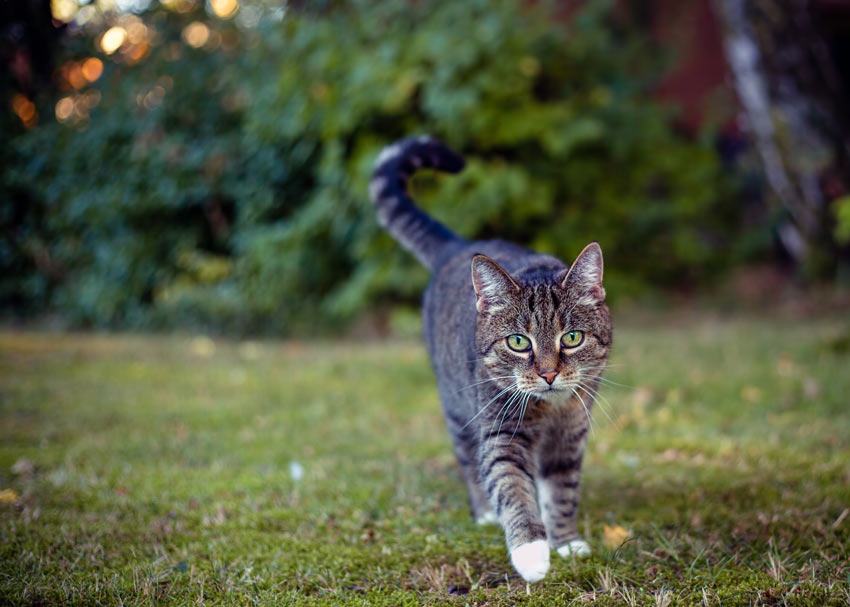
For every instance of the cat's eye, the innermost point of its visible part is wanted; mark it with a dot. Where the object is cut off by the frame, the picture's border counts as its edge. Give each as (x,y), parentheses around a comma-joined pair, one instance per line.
(519,343)
(572,339)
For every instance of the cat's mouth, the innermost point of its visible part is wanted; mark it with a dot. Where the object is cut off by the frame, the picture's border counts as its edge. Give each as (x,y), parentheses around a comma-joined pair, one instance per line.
(550,391)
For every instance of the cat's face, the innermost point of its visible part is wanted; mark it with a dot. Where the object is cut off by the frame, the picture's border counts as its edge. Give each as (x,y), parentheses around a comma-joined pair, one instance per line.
(550,338)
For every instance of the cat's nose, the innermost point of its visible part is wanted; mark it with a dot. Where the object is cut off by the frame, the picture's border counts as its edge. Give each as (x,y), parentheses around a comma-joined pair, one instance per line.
(549,376)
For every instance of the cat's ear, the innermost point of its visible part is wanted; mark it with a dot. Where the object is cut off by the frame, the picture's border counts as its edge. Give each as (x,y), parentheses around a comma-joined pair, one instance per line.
(585,275)
(493,286)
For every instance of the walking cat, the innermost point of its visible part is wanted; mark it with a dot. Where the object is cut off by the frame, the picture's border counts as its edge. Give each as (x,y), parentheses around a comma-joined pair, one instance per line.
(518,342)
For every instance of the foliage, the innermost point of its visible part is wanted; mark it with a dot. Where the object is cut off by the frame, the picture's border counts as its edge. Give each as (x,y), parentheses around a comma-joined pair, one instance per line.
(841,207)
(160,470)
(226,186)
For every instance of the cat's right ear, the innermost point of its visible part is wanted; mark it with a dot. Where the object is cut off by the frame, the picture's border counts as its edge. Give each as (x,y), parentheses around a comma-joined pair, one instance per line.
(493,286)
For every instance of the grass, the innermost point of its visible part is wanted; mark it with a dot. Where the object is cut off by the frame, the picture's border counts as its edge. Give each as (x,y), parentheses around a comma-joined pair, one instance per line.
(182,471)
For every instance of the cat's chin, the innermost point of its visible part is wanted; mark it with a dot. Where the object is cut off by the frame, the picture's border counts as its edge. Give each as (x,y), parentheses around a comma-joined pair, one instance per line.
(555,396)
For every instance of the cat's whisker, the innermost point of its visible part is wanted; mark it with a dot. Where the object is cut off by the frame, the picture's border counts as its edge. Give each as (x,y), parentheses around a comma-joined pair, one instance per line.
(507,409)
(503,409)
(605,379)
(478,383)
(596,394)
(596,397)
(511,387)
(608,365)
(609,382)
(586,410)
(523,406)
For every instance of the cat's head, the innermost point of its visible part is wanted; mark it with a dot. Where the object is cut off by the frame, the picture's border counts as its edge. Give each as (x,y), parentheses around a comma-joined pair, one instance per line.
(549,334)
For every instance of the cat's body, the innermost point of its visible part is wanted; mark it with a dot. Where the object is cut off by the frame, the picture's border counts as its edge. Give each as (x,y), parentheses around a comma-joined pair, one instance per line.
(518,341)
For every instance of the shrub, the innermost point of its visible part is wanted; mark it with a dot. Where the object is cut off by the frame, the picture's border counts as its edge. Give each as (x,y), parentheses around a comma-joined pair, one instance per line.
(227,187)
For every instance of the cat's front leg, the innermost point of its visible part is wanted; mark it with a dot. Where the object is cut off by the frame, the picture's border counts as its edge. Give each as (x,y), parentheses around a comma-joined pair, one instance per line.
(506,470)
(558,478)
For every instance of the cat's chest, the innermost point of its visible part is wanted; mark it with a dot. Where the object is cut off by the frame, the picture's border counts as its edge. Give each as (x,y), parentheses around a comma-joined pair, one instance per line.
(564,413)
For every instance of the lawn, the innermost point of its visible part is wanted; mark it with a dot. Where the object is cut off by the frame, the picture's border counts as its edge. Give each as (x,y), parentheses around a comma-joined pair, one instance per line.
(184,471)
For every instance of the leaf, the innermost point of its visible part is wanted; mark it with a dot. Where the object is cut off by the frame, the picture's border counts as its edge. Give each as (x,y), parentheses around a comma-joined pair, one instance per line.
(614,537)
(8,496)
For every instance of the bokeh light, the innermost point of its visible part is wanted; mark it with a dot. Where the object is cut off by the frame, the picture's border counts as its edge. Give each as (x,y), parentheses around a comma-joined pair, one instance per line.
(137,31)
(25,109)
(224,9)
(92,68)
(90,99)
(154,97)
(112,39)
(64,109)
(132,6)
(75,76)
(181,6)
(86,14)
(64,10)
(196,34)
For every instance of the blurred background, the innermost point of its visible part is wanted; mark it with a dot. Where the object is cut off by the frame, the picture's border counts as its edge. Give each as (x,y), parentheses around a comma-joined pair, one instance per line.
(204,164)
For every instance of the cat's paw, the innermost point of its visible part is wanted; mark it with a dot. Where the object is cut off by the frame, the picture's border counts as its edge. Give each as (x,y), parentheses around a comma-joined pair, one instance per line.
(577,548)
(487,518)
(531,560)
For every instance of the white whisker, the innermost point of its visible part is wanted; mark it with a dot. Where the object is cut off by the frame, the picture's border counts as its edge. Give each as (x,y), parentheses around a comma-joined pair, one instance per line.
(614,383)
(507,408)
(484,381)
(523,406)
(586,410)
(511,387)
(592,397)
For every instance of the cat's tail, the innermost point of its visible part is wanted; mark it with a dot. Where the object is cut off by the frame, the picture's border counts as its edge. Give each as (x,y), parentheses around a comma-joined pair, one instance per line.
(427,239)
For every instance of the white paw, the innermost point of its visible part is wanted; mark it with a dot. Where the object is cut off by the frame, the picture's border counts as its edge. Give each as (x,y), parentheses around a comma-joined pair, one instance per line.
(577,548)
(488,518)
(531,560)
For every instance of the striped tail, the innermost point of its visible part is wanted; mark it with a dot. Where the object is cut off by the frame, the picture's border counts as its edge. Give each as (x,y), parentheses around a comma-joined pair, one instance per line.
(426,238)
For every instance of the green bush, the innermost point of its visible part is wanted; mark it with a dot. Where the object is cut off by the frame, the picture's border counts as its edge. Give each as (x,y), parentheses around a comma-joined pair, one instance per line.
(236,197)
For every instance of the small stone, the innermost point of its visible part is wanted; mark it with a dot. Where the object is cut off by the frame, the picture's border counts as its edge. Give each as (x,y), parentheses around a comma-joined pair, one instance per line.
(296,470)
(23,467)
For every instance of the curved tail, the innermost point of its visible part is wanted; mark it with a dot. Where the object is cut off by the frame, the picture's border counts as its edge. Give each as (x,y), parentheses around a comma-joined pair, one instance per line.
(426,238)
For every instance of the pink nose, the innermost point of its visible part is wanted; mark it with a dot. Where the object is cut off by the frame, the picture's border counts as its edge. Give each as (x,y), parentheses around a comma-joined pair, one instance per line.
(549,376)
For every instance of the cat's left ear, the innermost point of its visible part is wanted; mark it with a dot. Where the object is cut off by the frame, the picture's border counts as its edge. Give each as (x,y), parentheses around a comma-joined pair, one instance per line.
(585,275)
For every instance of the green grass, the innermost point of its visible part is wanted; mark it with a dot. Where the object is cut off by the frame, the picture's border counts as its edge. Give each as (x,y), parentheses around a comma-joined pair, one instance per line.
(159,471)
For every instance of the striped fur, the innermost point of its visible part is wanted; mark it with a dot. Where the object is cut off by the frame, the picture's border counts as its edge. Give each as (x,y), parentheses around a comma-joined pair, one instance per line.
(427,239)
(518,420)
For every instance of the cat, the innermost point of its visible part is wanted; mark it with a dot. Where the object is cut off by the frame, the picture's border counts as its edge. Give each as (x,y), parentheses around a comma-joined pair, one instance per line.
(518,342)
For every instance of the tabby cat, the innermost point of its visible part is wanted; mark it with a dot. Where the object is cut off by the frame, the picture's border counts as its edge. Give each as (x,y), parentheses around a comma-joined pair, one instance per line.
(518,342)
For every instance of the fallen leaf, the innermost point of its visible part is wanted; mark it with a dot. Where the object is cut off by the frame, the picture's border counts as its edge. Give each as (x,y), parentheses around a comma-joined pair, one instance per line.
(751,394)
(614,537)
(8,496)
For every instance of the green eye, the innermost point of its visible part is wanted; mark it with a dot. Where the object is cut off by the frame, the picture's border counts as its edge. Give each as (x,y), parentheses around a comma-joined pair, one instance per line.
(519,343)
(572,339)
